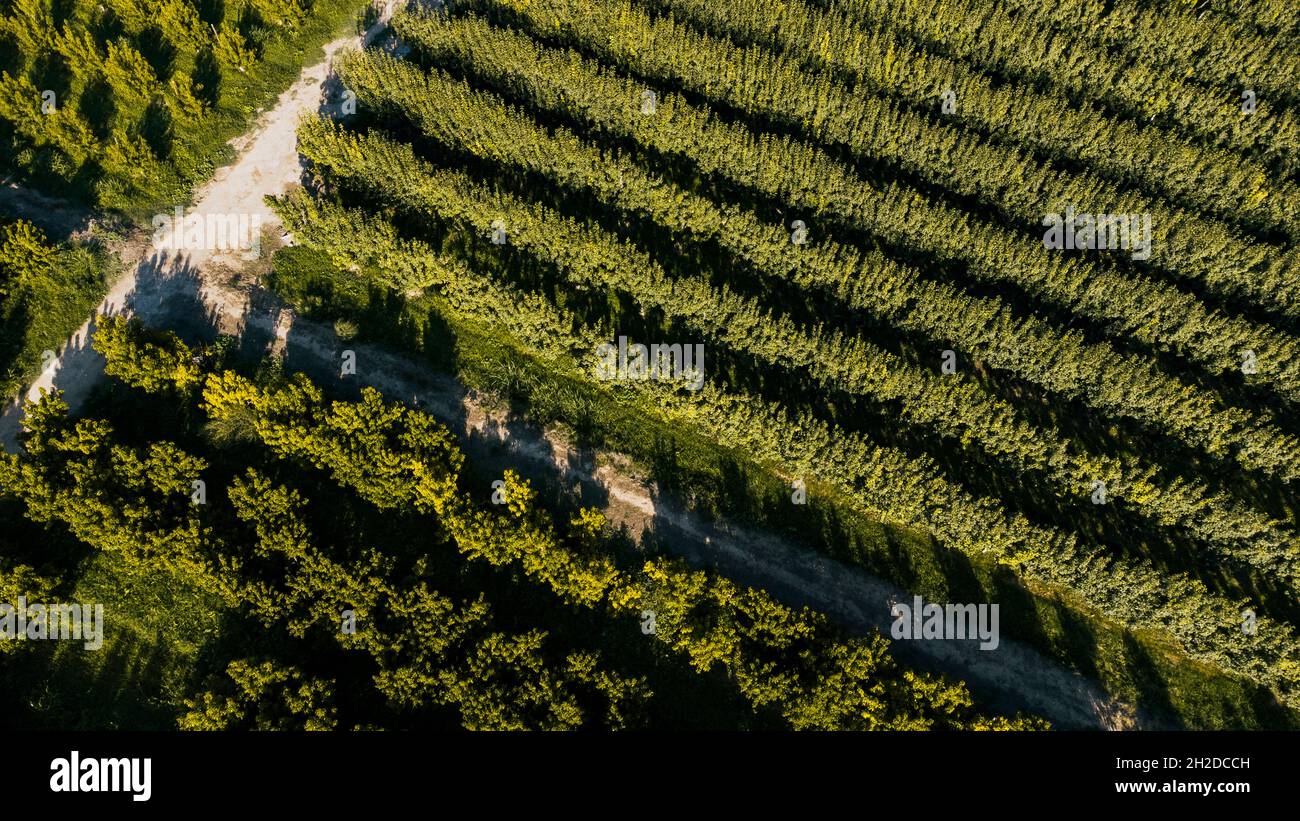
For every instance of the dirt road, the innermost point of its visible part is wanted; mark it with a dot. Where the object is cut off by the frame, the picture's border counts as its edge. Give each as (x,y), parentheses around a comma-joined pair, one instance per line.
(195,294)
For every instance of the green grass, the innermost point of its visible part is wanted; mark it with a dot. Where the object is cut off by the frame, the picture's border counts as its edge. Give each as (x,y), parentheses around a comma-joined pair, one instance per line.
(44,312)
(154,629)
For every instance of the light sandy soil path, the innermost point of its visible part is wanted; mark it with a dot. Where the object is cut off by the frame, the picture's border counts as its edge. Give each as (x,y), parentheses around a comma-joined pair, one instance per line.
(196,295)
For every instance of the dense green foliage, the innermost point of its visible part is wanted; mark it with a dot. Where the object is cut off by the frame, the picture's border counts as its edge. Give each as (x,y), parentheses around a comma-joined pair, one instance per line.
(126,104)
(843,203)
(46,292)
(887,62)
(885,482)
(995,38)
(590,256)
(427,649)
(1006,180)
(673,222)
(814,184)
